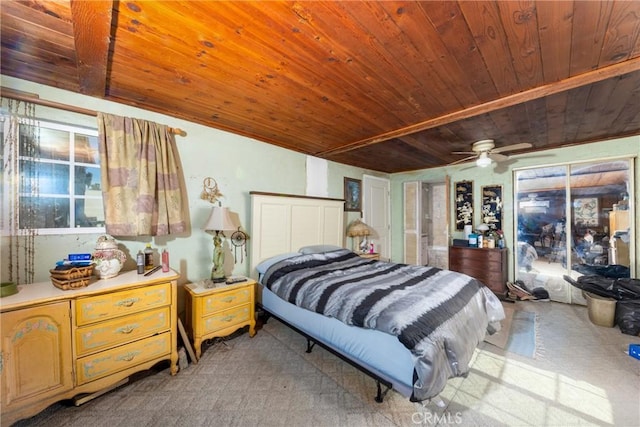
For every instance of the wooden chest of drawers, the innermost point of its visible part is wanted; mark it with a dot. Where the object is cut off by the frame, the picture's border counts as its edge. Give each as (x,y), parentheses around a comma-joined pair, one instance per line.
(114,330)
(61,344)
(487,265)
(219,311)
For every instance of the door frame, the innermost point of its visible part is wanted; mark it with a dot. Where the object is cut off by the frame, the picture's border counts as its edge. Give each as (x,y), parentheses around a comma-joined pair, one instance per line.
(368,212)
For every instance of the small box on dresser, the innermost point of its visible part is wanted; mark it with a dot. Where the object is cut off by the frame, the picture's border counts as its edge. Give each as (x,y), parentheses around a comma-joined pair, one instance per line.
(487,265)
(218,310)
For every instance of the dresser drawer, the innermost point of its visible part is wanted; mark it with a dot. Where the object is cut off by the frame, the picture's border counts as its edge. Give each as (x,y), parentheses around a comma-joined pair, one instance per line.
(488,277)
(226,318)
(224,300)
(100,336)
(468,264)
(108,362)
(109,306)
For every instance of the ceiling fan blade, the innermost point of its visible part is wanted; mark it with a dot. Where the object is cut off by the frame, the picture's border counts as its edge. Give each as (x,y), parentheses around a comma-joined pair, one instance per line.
(512,147)
(463,152)
(466,159)
(497,157)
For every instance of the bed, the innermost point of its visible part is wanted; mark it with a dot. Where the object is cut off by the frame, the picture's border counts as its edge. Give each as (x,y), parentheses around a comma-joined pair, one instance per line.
(386,344)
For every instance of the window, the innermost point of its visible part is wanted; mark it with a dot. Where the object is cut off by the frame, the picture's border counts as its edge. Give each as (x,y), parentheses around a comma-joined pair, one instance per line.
(57,169)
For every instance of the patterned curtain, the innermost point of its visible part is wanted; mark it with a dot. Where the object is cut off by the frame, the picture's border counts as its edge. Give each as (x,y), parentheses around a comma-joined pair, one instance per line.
(141,178)
(19,214)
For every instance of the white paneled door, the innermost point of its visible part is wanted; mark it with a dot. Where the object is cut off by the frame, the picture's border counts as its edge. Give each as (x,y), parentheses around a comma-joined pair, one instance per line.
(376,213)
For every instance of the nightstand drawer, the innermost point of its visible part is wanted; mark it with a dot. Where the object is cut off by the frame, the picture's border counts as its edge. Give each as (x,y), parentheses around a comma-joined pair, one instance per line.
(224,300)
(110,333)
(102,364)
(109,306)
(227,318)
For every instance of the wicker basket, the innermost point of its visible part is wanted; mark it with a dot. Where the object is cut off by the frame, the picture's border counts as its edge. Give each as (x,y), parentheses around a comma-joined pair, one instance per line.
(65,285)
(72,273)
(72,278)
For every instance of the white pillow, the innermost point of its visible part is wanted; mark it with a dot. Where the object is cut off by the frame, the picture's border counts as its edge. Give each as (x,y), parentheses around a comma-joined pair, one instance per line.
(264,265)
(315,249)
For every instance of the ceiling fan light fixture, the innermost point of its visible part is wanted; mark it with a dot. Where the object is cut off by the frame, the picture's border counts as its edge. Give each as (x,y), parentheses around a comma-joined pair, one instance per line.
(483,160)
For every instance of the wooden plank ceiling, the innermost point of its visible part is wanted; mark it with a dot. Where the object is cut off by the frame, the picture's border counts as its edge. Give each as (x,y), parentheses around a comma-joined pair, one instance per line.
(388,85)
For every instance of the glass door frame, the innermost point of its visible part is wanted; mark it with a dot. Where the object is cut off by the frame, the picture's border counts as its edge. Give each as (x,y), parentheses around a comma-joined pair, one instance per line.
(573,295)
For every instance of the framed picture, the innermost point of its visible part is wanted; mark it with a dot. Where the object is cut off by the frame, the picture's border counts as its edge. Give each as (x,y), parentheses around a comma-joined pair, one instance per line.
(585,211)
(464,204)
(492,206)
(352,195)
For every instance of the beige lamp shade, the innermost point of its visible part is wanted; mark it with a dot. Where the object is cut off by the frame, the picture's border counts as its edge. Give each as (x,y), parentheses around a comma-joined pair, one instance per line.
(358,228)
(219,220)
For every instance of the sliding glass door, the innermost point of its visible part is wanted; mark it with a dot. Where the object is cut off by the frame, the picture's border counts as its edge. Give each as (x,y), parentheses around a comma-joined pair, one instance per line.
(573,219)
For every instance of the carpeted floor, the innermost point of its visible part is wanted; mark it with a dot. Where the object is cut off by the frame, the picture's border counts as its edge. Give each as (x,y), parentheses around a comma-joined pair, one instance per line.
(583,378)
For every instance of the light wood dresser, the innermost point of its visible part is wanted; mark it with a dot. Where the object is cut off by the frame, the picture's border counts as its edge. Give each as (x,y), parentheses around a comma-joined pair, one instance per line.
(218,311)
(61,344)
(369,255)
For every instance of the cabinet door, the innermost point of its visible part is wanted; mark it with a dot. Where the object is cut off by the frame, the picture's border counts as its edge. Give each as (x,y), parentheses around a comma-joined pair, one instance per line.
(412,203)
(36,354)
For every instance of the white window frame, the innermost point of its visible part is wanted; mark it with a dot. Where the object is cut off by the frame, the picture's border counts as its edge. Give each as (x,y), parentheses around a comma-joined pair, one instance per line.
(71,196)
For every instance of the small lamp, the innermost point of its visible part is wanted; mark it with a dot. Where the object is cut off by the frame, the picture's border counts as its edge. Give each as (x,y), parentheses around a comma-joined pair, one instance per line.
(219,221)
(483,160)
(360,230)
(483,228)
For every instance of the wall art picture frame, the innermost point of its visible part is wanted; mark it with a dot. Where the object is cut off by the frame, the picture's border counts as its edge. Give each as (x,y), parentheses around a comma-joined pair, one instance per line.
(352,195)
(464,204)
(492,204)
(585,212)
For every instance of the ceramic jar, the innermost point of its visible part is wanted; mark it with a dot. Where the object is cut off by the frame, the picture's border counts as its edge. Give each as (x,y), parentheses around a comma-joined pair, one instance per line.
(108,258)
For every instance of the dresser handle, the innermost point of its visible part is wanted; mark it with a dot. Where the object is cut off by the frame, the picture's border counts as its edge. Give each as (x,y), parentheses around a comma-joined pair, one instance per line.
(127,329)
(129,356)
(128,302)
(228,299)
(227,318)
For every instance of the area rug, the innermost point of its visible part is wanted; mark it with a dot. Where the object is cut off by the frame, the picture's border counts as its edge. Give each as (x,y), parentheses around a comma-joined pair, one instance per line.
(518,334)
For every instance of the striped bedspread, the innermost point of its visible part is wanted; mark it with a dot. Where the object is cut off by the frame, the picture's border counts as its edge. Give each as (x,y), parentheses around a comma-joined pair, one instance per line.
(439,315)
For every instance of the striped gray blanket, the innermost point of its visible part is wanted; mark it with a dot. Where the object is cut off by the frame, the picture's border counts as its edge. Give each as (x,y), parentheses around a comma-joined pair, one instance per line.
(439,315)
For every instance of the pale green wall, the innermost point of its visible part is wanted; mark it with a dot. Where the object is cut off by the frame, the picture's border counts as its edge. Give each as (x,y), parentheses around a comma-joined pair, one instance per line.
(503,175)
(241,164)
(237,163)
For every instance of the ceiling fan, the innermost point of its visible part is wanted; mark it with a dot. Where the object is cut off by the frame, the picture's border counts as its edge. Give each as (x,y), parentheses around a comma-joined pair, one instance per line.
(484,152)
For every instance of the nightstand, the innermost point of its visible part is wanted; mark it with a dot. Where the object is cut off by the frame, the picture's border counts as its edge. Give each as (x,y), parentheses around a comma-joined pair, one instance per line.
(369,255)
(219,310)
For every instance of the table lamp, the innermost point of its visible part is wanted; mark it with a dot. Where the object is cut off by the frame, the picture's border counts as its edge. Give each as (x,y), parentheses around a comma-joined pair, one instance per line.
(219,221)
(360,230)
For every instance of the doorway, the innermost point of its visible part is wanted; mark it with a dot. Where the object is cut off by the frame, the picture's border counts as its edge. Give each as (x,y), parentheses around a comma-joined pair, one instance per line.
(426,233)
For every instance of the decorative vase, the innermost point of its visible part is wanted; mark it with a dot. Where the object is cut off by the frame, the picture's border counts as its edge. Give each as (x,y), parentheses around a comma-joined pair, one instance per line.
(108,258)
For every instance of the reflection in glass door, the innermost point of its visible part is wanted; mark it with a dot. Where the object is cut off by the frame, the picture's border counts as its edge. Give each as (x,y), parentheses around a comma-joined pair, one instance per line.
(573,220)
(541,230)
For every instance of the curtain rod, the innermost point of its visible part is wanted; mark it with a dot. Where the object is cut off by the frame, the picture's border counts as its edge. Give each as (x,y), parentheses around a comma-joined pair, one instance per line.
(35,98)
